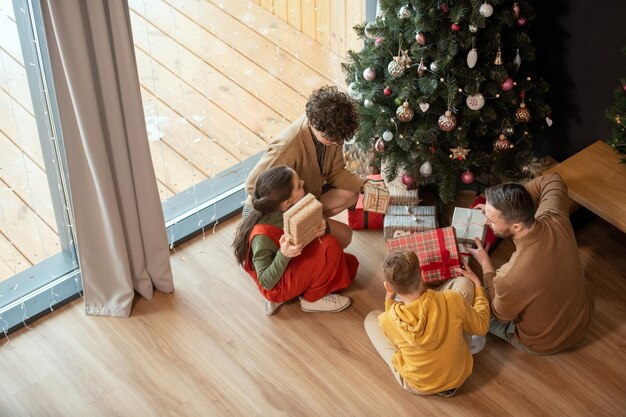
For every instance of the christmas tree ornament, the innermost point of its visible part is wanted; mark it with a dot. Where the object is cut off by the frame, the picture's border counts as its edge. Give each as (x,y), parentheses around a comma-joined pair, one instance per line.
(507,85)
(502,144)
(379,145)
(387,136)
(405,113)
(447,121)
(398,101)
(350,141)
(387,91)
(549,121)
(444,7)
(455,27)
(369,74)
(407,180)
(421,68)
(517,61)
(498,60)
(525,169)
(369,30)
(420,38)
(396,67)
(426,169)
(516,9)
(405,12)
(521,21)
(486,10)
(459,153)
(467,177)
(368,103)
(424,107)
(522,115)
(434,66)
(473,28)
(378,40)
(475,102)
(354,92)
(472,58)
(508,130)
(432,149)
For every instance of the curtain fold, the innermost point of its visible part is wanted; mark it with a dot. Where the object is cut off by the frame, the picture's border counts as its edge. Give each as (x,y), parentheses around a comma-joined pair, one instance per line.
(119,225)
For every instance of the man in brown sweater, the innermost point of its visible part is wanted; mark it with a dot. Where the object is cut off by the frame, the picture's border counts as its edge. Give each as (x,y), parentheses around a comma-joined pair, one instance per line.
(312,146)
(540,300)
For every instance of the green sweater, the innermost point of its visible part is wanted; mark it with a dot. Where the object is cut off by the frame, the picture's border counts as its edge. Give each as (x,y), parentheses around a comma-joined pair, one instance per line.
(269,263)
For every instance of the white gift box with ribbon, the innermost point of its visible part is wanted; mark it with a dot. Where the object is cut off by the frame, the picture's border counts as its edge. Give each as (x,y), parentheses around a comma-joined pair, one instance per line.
(469,224)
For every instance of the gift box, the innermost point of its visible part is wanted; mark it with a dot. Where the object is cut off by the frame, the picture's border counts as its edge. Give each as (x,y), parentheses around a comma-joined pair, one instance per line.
(469,224)
(436,250)
(302,220)
(375,197)
(399,194)
(409,219)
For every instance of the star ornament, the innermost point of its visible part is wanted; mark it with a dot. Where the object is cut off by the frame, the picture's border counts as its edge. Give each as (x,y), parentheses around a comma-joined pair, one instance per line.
(459,153)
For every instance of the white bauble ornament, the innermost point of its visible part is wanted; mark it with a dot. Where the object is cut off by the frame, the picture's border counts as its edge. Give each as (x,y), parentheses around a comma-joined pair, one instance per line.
(475,102)
(486,10)
(472,58)
(354,92)
(368,103)
(433,66)
(395,67)
(368,30)
(369,74)
(426,169)
(387,136)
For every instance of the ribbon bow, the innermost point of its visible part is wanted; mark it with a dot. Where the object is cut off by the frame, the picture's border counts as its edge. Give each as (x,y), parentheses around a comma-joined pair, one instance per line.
(445,265)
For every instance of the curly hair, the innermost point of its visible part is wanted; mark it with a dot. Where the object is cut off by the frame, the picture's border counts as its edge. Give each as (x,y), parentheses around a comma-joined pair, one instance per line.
(333,113)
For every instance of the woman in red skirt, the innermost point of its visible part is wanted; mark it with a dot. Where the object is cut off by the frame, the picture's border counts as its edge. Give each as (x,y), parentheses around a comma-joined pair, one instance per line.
(281,270)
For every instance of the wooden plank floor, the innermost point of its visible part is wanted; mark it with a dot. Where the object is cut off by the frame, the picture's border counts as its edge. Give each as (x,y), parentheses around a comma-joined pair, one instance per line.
(207,349)
(219,80)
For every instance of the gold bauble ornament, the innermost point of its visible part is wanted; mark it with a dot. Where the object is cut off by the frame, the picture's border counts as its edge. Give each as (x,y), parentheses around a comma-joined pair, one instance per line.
(502,144)
(522,115)
(405,113)
(447,121)
(396,67)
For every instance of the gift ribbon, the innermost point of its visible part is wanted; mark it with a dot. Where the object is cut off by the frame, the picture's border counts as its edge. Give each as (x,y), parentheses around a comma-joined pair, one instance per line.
(378,186)
(445,265)
(415,216)
(466,225)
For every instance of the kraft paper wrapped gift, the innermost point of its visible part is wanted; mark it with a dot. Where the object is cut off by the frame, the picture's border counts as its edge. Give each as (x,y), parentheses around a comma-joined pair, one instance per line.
(409,219)
(468,224)
(375,197)
(360,219)
(436,250)
(303,219)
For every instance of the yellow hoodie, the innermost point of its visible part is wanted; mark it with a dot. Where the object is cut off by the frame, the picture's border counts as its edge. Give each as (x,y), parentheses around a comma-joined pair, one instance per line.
(431,354)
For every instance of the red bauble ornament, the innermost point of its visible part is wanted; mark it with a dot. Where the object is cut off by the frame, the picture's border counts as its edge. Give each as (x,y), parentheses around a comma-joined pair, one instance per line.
(507,85)
(444,7)
(521,21)
(455,27)
(433,150)
(467,177)
(407,180)
(387,91)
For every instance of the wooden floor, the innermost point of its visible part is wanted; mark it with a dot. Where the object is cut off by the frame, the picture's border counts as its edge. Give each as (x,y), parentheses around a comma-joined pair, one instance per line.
(219,79)
(208,350)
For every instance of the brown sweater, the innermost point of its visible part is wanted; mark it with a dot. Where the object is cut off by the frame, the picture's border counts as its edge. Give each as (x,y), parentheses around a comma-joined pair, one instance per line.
(294,147)
(542,287)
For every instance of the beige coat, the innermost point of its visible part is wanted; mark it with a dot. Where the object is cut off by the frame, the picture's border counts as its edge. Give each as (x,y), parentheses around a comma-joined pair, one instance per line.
(294,147)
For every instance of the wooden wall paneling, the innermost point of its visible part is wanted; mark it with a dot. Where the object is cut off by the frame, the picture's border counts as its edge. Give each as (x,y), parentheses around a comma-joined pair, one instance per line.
(280,10)
(355,14)
(294,14)
(337,27)
(323,22)
(309,18)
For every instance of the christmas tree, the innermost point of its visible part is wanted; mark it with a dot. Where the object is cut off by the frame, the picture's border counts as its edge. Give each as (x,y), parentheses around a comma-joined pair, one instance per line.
(447,91)
(617,115)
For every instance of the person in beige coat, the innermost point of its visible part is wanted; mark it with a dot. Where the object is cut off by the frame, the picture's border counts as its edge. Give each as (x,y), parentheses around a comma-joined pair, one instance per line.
(312,146)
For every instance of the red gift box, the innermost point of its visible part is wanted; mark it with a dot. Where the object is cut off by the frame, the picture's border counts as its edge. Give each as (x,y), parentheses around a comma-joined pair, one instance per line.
(359,219)
(436,250)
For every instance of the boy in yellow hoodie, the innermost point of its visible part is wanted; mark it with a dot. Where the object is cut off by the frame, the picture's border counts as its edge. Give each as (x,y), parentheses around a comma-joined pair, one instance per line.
(421,336)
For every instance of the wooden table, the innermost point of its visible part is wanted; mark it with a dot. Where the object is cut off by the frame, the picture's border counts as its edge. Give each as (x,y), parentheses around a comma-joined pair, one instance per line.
(597,180)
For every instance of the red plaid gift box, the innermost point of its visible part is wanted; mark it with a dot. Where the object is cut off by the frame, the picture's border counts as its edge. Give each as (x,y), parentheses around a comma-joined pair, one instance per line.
(359,219)
(436,250)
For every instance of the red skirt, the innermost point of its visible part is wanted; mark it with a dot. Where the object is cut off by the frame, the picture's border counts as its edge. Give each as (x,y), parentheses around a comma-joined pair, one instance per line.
(322,268)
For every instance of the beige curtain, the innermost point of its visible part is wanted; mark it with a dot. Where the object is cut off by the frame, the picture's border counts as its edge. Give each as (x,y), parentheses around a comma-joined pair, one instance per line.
(122,244)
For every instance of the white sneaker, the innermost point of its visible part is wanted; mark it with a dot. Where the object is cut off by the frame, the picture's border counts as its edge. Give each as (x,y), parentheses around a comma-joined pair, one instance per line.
(478,343)
(270,307)
(331,303)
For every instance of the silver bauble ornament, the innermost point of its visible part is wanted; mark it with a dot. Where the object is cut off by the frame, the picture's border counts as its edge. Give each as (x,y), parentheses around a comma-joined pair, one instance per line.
(434,66)
(368,103)
(508,131)
(354,92)
(405,113)
(387,136)
(447,121)
(405,12)
(426,169)
(395,67)
(368,30)
(475,102)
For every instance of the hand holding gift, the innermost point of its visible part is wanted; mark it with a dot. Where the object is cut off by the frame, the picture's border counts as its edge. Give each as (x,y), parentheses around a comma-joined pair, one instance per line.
(287,247)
